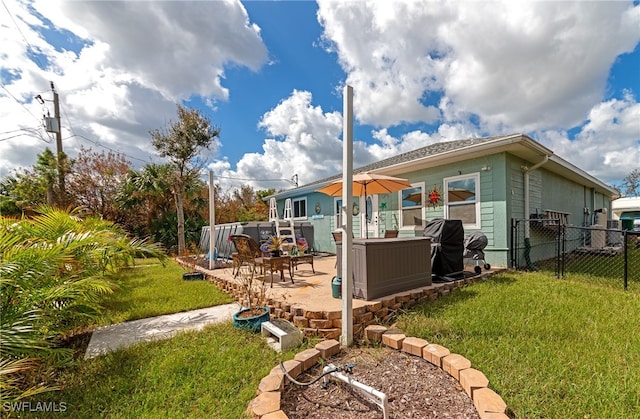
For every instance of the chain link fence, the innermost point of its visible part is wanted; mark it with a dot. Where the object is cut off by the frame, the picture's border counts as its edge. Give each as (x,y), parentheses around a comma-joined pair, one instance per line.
(610,254)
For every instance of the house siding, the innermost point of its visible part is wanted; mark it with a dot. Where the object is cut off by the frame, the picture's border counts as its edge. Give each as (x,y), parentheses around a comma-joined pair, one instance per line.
(493,205)
(516,201)
(494,209)
(550,192)
(501,193)
(566,196)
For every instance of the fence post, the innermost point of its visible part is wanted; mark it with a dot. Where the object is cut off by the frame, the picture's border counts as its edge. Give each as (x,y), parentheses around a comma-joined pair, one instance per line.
(564,251)
(513,243)
(558,253)
(625,248)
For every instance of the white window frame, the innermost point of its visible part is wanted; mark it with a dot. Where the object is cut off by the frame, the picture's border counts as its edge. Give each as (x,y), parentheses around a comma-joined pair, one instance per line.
(401,208)
(337,209)
(293,208)
(476,176)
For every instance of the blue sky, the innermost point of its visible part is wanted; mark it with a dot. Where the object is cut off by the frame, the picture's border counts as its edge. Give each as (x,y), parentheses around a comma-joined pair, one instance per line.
(271,74)
(290,30)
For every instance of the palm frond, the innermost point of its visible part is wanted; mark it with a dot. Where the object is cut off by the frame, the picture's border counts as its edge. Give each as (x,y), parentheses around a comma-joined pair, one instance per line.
(11,372)
(17,333)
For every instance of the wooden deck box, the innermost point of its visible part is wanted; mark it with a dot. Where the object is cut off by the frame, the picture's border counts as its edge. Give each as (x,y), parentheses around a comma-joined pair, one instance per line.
(383,267)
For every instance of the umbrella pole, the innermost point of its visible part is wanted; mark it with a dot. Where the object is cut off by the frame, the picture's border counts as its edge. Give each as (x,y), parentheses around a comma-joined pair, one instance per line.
(366,213)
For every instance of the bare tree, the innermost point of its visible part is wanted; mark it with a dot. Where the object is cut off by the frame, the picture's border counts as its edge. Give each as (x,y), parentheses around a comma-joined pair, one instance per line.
(181,142)
(631,183)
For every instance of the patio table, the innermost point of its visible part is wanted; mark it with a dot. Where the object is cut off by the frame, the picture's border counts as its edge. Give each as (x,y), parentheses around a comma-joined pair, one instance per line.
(296,260)
(277,263)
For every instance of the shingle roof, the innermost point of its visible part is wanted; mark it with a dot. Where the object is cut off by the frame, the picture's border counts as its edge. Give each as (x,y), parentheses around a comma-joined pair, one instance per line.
(430,150)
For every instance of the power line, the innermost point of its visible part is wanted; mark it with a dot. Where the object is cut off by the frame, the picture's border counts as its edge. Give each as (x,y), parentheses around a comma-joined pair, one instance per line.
(66,117)
(19,103)
(258,180)
(22,34)
(18,130)
(97,143)
(32,132)
(293,180)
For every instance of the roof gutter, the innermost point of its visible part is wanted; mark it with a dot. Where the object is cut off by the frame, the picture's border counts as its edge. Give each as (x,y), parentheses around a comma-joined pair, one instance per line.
(527,170)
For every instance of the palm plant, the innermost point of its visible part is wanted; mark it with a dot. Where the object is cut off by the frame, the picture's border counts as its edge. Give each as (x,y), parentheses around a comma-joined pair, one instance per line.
(151,190)
(54,268)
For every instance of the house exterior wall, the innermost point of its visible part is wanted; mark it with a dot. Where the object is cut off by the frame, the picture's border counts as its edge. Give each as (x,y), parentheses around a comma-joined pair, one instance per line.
(323,222)
(493,208)
(501,199)
(551,193)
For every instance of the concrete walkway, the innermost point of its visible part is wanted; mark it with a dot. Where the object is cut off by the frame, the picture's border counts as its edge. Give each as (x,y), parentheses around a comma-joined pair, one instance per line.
(109,338)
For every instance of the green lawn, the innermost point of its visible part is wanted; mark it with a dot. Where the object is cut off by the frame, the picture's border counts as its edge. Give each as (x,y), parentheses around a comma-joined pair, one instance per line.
(150,289)
(607,270)
(551,348)
(602,270)
(212,373)
(209,374)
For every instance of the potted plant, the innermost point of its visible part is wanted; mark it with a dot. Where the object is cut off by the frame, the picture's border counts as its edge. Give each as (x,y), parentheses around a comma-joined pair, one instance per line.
(274,245)
(254,297)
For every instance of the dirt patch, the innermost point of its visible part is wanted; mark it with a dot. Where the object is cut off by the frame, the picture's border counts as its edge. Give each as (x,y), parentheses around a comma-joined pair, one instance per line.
(78,343)
(415,389)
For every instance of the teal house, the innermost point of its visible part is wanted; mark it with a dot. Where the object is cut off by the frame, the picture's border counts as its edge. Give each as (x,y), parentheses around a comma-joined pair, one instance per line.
(485,182)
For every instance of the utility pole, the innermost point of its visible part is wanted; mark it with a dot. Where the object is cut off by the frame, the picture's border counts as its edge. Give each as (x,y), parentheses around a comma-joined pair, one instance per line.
(60,154)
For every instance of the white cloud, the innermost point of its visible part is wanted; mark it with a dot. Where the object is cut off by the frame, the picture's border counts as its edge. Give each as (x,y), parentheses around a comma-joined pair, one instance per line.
(385,51)
(304,140)
(164,45)
(135,61)
(390,146)
(465,68)
(534,67)
(538,65)
(522,65)
(608,146)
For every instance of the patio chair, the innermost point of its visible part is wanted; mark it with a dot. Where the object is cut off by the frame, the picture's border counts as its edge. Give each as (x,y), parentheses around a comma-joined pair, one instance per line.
(337,236)
(247,253)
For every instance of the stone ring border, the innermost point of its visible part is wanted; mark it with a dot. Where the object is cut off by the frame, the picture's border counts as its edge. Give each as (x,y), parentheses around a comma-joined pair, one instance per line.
(488,403)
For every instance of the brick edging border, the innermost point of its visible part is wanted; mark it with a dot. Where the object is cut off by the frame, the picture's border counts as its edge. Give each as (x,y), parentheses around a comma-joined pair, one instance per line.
(328,324)
(488,403)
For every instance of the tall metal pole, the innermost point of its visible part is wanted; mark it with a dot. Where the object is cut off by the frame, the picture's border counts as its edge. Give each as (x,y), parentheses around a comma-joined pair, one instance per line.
(60,155)
(346,339)
(212,221)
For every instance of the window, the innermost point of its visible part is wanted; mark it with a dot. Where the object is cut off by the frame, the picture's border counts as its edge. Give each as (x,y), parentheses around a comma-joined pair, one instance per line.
(338,212)
(299,207)
(355,210)
(462,199)
(411,202)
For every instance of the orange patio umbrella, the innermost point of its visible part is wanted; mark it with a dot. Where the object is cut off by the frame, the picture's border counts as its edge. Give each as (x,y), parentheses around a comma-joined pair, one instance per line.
(368,184)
